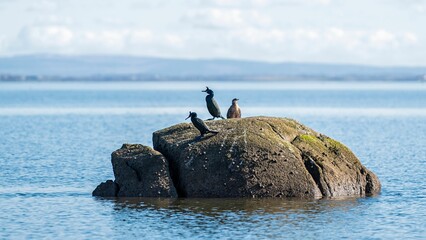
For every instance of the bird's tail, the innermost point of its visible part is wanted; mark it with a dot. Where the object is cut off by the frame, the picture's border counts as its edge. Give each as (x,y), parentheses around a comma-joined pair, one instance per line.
(211,131)
(222,117)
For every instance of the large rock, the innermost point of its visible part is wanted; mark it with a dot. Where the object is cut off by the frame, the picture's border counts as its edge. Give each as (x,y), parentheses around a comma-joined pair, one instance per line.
(139,171)
(261,157)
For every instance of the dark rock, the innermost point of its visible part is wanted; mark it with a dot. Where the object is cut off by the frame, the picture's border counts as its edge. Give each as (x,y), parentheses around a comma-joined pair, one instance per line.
(139,171)
(242,161)
(106,189)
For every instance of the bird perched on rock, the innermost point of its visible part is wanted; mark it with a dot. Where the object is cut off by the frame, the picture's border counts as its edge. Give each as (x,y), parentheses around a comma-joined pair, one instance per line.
(234,110)
(199,124)
(212,105)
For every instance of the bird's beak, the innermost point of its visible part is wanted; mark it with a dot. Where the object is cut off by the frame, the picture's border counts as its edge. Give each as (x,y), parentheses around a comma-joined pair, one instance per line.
(238,99)
(188,116)
(204,90)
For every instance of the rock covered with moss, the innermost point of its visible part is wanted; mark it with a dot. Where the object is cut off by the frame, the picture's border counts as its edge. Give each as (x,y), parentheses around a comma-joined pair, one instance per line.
(259,157)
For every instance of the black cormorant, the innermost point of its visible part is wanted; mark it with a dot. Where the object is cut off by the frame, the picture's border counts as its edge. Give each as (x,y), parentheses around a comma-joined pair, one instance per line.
(212,105)
(234,110)
(199,124)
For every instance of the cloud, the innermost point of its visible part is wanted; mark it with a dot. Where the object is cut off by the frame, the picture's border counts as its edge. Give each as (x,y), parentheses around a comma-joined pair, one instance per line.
(300,44)
(42,6)
(260,3)
(46,36)
(63,39)
(215,33)
(225,18)
(214,18)
(382,38)
(410,38)
(2,44)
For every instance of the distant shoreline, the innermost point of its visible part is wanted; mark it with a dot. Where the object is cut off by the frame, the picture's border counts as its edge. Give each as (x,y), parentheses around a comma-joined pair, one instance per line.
(137,78)
(127,68)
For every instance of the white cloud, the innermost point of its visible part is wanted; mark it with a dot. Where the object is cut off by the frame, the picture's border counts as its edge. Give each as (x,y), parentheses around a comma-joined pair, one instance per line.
(112,39)
(410,38)
(244,42)
(275,30)
(234,3)
(301,43)
(53,19)
(420,8)
(46,36)
(2,44)
(42,6)
(174,40)
(254,36)
(214,18)
(140,36)
(226,18)
(62,39)
(259,3)
(382,39)
(258,19)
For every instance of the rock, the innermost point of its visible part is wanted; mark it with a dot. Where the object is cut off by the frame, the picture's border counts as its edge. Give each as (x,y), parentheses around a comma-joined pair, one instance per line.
(106,189)
(260,157)
(249,157)
(141,171)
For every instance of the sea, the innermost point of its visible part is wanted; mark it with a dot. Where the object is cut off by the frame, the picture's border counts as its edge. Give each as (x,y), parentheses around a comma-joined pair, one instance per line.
(56,140)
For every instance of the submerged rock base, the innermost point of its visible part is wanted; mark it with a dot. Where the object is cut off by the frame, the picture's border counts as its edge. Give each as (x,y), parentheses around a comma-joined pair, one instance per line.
(249,157)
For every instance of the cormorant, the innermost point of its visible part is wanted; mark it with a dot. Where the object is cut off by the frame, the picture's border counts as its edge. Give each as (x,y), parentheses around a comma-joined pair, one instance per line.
(234,110)
(212,105)
(199,124)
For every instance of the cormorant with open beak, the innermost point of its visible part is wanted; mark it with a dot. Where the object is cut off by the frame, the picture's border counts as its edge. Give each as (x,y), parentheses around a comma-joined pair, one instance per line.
(212,105)
(199,124)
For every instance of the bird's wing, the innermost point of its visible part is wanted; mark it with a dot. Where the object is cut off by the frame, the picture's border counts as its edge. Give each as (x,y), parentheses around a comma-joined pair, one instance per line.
(229,113)
(200,125)
(216,106)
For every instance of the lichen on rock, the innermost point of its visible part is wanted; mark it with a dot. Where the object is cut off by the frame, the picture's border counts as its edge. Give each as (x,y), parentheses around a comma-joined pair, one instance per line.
(249,157)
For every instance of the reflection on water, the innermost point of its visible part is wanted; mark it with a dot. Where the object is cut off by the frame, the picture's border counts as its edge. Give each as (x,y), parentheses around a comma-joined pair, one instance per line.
(228,218)
(214,207)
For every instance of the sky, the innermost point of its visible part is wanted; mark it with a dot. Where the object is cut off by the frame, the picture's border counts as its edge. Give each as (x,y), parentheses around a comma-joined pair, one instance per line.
(368,32)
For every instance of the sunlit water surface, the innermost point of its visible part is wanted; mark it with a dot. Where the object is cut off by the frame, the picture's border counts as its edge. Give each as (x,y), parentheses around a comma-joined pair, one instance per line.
(56,141)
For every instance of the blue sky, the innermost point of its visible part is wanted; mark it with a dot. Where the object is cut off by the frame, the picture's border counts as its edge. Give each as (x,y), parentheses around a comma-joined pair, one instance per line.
(380,32)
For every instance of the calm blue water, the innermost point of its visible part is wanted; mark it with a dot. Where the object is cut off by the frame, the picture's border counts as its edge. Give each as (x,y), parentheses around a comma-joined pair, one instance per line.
(56,140)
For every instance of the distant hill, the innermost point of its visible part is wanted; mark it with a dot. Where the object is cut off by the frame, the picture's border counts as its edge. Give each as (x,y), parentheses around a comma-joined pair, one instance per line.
(100,67)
